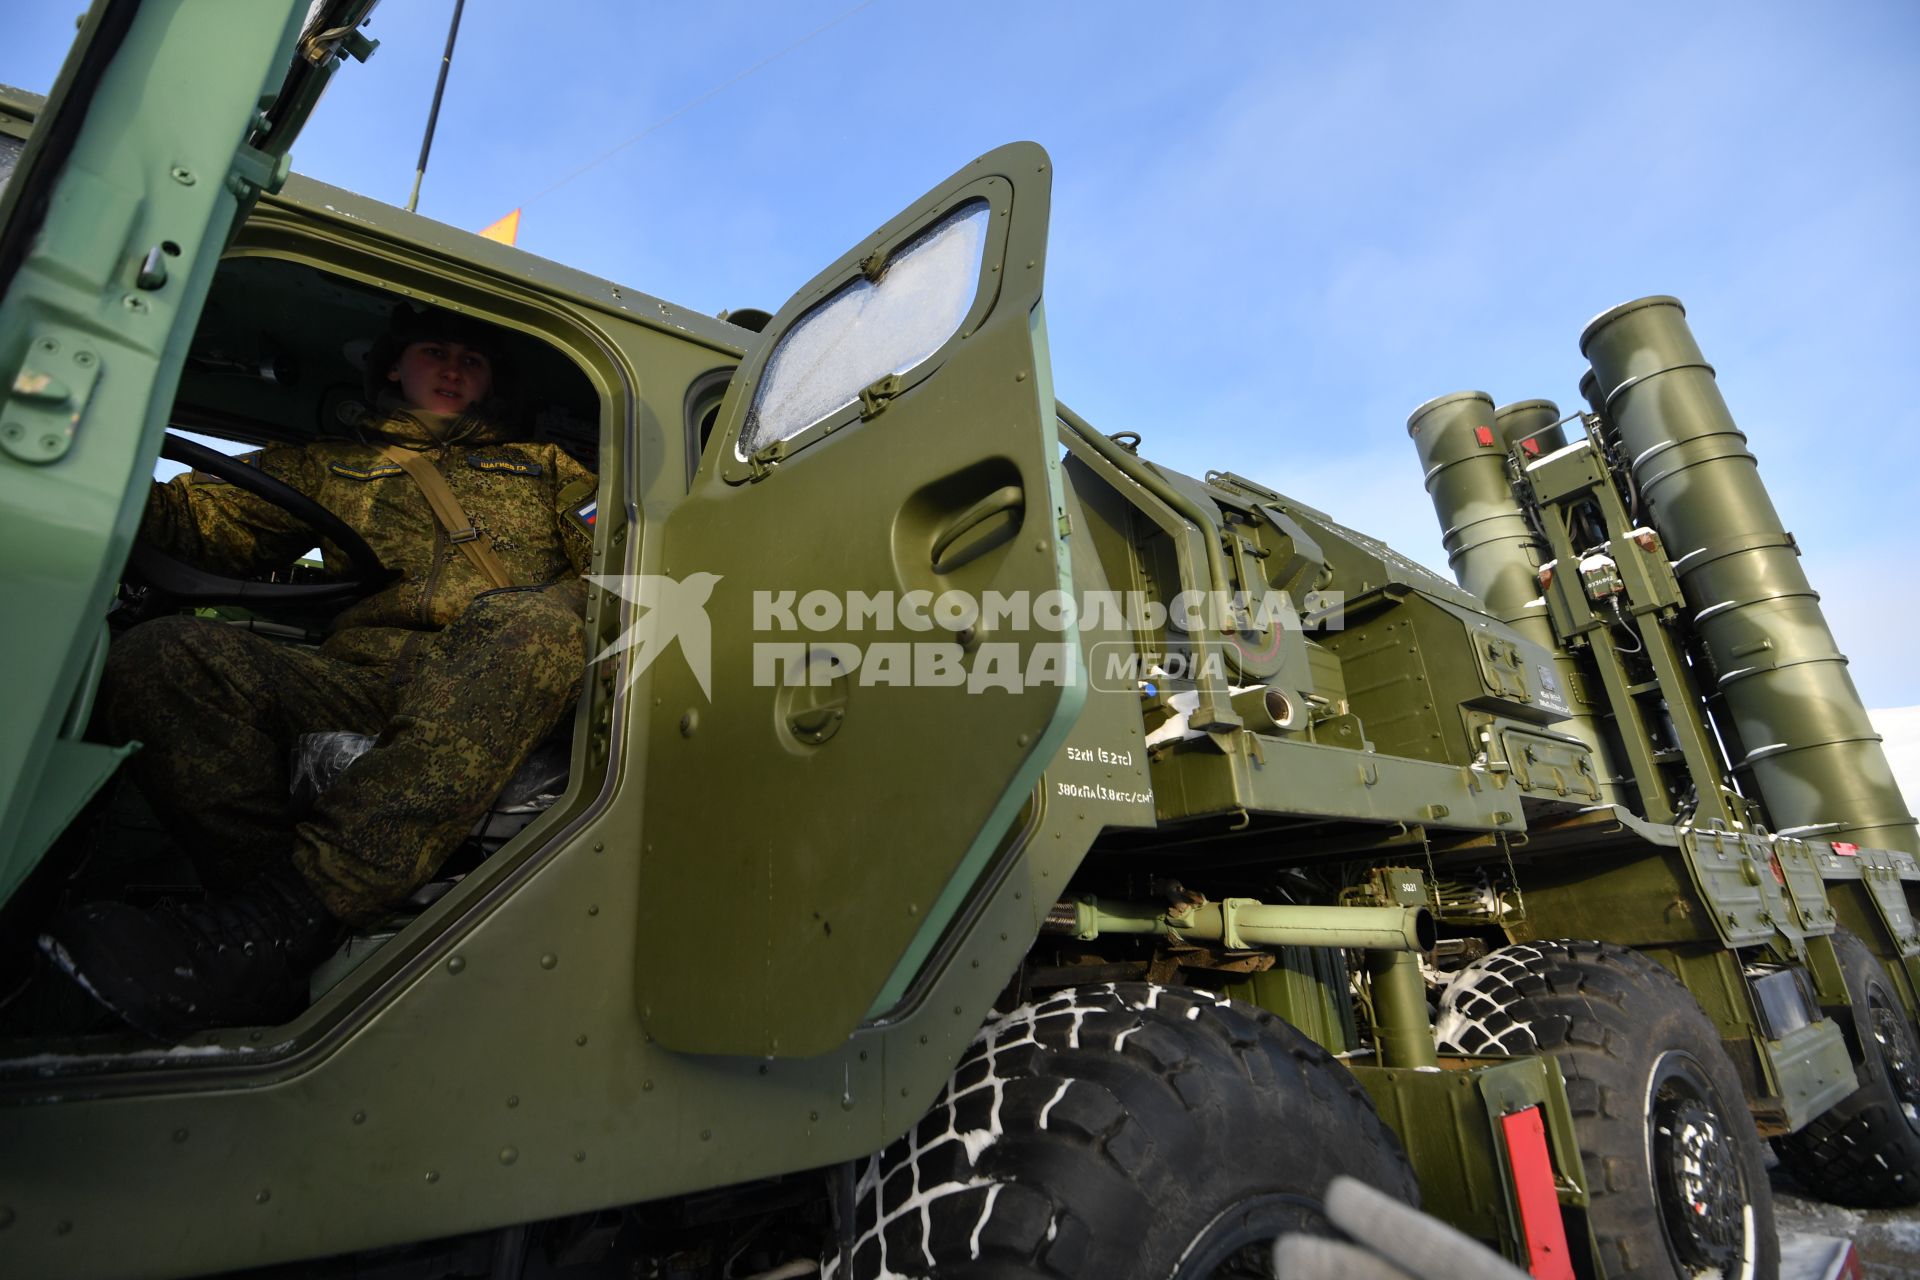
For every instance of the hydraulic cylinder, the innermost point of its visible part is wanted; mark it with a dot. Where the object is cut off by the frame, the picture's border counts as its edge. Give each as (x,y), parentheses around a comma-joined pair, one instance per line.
(1243,922)
(1786,695)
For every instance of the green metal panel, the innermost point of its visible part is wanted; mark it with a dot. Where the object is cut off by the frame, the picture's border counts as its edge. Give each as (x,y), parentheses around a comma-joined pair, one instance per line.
(1449,1121)
(1544,764)
(1884,874)
(1806,890)
(1811,1070)
(1296,776)
(1734,878)
(1793,1078)
(90,349)
(1432,680)
(1100,772)
(838,853)
(1637,894)
(74,771)
(1708,885)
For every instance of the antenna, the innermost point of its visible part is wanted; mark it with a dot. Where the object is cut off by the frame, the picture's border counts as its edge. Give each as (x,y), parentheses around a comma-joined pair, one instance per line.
(433,113)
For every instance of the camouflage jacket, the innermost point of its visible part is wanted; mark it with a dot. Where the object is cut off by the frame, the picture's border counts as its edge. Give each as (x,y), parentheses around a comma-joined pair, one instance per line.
(533,500)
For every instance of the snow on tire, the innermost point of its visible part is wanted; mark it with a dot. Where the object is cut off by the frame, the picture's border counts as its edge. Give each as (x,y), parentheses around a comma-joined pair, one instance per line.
(1121,1132)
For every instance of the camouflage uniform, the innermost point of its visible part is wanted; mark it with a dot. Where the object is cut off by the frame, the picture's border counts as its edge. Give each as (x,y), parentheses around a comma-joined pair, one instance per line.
(458,680)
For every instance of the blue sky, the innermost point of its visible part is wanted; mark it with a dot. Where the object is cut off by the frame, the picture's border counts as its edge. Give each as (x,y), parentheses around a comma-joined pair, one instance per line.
(1277,227)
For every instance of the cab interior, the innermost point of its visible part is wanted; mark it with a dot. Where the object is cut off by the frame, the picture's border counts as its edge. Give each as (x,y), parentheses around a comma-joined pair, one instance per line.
(278,357)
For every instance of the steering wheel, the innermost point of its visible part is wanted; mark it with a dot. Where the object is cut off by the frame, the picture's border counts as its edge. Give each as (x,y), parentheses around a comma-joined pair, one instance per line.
(193,585)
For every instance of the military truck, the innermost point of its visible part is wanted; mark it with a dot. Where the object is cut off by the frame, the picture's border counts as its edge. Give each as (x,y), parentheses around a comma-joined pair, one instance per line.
(1024,860)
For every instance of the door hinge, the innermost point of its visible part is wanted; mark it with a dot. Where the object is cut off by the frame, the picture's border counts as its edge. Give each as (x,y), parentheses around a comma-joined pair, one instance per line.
(255,171)
(761,463)
(46,398)
(874,398)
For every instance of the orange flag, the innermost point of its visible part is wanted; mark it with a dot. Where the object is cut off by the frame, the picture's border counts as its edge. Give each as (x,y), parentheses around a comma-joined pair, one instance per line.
(506,230)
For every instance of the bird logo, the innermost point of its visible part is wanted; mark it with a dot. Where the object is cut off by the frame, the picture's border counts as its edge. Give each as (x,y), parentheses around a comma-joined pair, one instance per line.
(667,609)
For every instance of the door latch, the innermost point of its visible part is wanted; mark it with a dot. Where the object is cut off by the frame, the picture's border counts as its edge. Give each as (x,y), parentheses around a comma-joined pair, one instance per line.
(47,398)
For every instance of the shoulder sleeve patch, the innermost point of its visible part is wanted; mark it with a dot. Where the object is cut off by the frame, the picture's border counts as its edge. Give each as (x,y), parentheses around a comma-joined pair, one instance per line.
(579,504)
(373,471)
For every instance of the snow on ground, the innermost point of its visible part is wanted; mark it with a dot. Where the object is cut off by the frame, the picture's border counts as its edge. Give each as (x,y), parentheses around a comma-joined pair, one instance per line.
(1887,1240)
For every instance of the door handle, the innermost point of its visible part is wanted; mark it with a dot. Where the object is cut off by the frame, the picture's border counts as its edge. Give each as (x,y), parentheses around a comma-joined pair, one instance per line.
(1007,498)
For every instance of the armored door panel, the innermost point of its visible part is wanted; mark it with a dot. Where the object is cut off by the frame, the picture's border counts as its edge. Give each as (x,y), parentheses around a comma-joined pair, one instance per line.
(168,119)
(880,669)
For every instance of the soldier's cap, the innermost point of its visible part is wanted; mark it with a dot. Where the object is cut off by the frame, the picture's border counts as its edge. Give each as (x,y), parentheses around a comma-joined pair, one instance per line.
(410,324)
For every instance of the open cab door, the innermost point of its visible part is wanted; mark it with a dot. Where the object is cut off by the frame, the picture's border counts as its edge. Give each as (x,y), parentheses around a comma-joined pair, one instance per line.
(168,120)
(880,666)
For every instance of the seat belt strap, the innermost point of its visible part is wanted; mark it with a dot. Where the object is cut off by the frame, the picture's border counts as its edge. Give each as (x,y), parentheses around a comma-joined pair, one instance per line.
(477,546)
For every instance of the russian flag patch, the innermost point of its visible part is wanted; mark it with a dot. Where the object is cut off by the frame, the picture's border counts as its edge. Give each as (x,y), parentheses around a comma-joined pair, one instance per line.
(584,514)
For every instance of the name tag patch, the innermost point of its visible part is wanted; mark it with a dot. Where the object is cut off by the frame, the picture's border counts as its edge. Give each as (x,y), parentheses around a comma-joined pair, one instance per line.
(511,466)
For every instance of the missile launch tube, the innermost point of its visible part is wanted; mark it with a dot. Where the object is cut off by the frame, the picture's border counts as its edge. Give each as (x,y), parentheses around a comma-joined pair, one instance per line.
(1531,427)
(1810,748)
(1490,546)
(1590,391)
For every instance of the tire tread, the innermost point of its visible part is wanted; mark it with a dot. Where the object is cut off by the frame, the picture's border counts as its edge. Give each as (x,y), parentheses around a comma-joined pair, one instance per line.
(1595,1007)
(1102,1124)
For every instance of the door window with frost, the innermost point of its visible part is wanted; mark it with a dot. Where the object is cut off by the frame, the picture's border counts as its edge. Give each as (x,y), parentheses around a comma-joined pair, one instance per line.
(870,328)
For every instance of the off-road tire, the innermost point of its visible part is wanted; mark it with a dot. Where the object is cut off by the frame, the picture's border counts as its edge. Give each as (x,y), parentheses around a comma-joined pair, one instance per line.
(1674,1170)
(1865,1151)
(1120,1133)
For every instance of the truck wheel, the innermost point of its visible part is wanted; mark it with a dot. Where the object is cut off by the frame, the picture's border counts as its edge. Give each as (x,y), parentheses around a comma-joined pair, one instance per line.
(1119,1133)
(1675,1176)
(1865,1151)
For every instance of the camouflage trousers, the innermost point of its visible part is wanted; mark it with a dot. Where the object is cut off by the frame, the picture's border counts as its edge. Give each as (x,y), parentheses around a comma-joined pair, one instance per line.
(219,711)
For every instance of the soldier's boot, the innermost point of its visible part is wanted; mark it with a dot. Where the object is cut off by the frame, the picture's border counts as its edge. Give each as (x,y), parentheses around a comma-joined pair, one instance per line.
(240,960)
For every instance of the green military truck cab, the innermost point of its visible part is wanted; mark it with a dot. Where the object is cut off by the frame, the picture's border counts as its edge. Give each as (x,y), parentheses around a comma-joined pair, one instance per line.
(975,845)
(624,958)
